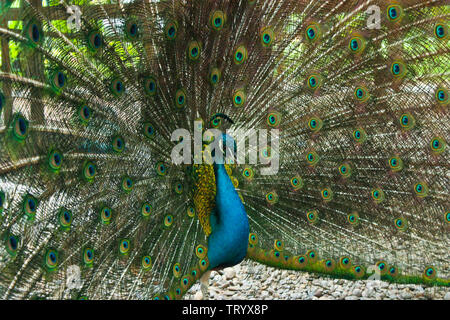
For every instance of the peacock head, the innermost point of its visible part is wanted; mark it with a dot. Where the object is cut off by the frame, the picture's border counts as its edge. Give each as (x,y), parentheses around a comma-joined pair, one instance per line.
(222,146)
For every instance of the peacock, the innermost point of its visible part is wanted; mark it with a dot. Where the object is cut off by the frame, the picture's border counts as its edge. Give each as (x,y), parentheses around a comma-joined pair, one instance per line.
(122,174)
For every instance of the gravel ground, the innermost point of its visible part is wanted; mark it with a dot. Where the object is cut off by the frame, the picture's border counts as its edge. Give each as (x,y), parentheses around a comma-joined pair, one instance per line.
(250,281)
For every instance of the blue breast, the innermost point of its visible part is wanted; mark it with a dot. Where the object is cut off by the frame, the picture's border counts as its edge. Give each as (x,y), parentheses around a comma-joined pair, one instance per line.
(227,244)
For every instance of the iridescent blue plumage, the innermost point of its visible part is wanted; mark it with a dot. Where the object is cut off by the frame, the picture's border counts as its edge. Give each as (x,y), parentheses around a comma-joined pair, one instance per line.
(227,245)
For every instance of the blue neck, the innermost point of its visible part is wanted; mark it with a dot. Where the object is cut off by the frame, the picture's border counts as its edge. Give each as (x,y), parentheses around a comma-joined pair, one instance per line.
(227,244)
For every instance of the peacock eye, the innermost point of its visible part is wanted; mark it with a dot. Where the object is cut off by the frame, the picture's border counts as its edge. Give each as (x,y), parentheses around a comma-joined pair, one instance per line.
(312,216)
(359,135)
(441,95)
(55,159)
(21,127)
(124,246)
(180,99)
(127,184)
(35,33)
(312,158)
(88,256)
(194,50)
(405,120)
(357,44)
(105,215)
(95,41)
(353,218)
(178,188)
(248,173)
(214,76)
(118,144)
(65,218)
(161,168)
(89,171)
(12,244)
(29,206)
(327,194)
(267,36)
(430,273)
(315,124)
(421,189)
(217,20)
(239,98)
(146,262)
(398,69)
(84,113)
(117,87)
(240,55)
(150,86)
(312,32)
(148,130)
(272,197)
(440,31)
(58,80)
(51,259)
(131,29)
(146,209)
(401,224)
(361,94)
(394,13)
(171,29)
(168,220)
